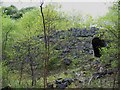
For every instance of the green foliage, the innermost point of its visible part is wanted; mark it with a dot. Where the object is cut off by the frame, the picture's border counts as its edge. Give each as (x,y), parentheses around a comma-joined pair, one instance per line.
(8,29)
(11,12)
(29,25)
(109,32)
(5,72)
(23,40)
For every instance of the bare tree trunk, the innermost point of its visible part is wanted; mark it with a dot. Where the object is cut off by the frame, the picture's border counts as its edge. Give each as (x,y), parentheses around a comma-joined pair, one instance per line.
(48,46)
(101,82)
(46,56)
(32,74)
(114,80)
(21,72)
(31,64)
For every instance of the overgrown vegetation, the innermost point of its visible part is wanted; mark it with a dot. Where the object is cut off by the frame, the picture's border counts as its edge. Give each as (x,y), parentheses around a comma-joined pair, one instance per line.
(69,38)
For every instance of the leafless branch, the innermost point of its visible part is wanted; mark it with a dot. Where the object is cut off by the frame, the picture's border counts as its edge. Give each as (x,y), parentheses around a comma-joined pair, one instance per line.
(45,38)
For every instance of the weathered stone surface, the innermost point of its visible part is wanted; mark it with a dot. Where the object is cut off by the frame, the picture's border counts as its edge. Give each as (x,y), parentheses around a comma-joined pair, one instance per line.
(74,41)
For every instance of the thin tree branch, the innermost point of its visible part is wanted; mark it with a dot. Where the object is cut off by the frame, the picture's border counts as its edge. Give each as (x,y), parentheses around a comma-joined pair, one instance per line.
(45,38)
